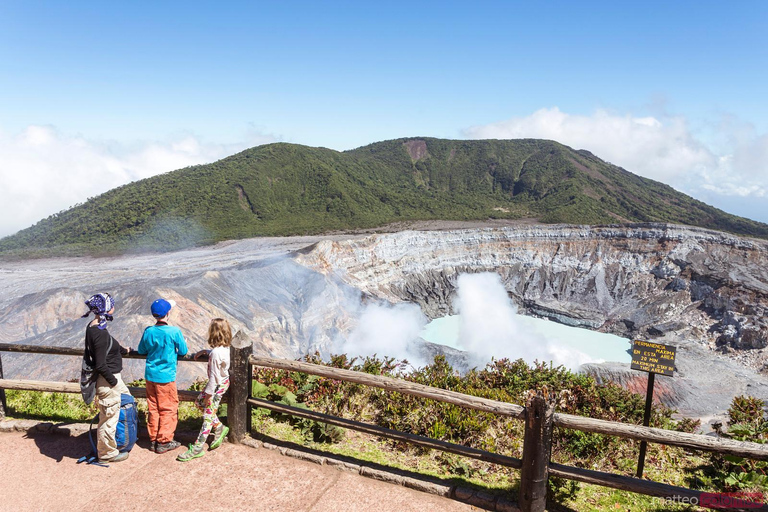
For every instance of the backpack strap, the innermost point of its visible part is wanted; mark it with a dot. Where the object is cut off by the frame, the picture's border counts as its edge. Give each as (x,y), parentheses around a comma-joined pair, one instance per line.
(87,354)
(92,459)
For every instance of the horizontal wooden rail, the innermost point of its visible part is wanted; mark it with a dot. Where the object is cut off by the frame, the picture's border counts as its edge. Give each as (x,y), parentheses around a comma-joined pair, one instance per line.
(74,387)
(41,349)
(631,484)
(392,384)
(376,430)
(661,436)
(651,434)
(69,351)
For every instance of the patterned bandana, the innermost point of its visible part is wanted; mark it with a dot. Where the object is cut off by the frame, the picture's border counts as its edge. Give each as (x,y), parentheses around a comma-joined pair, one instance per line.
(99,304)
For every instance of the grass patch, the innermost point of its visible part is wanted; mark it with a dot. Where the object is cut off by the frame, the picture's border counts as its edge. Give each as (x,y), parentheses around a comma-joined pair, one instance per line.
(367,448)
(38,405)
(70,408)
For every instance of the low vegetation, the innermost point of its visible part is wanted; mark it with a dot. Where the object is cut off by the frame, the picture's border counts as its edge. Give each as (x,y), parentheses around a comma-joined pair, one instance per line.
(288,189)
(512,381)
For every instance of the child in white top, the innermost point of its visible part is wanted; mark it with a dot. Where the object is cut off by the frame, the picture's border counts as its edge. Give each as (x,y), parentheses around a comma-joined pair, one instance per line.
(219,338)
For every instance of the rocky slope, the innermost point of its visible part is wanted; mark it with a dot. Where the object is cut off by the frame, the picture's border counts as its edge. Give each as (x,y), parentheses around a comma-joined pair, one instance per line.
(647,280)
(287,309)
(701,290)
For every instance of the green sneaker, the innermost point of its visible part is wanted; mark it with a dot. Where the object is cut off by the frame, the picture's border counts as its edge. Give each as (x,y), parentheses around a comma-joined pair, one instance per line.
(192,453)
(218,436)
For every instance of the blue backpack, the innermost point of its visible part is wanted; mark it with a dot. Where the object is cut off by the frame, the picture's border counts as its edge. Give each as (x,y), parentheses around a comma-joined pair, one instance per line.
(128,424)
(126,433)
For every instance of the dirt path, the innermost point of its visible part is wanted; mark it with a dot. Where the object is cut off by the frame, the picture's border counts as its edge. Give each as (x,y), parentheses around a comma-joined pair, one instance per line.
(40,473)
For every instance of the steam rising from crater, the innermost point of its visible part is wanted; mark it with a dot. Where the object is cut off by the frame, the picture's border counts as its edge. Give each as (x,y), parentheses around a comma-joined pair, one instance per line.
(388,331)
(489,326)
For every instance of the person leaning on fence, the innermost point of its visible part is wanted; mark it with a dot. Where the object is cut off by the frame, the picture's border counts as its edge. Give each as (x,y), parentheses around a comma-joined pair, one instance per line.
(107,357)
(162,344)
(219,338)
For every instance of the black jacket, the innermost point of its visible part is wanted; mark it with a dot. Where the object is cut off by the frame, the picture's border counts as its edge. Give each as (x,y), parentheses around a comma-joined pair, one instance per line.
(105,364)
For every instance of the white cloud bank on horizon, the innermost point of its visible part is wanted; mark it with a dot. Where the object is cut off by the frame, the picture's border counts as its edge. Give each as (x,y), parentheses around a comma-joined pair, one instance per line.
(661,148)
(43,171)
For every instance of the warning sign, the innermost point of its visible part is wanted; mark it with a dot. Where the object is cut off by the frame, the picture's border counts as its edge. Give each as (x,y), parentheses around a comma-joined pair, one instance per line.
(653,357)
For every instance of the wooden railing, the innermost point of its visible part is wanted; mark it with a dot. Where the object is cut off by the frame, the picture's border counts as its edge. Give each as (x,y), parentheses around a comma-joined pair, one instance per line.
(69,387)
(538,414)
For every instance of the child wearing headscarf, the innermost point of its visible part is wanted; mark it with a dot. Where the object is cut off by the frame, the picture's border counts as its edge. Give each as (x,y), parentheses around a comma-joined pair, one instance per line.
(106,356)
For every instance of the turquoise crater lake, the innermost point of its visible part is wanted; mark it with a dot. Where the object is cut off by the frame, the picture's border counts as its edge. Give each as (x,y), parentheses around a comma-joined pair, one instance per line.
(598,347)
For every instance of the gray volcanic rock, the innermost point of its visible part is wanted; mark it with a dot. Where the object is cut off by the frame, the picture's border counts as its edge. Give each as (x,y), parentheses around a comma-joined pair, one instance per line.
(458,359)
(644,280)
(703,385)
(285,308)
(704,291)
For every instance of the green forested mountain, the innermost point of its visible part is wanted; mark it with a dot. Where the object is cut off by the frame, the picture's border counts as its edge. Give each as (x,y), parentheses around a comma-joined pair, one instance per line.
(288,189)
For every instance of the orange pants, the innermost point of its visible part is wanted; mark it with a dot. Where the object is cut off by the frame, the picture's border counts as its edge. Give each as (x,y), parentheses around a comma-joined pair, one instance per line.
(163,406)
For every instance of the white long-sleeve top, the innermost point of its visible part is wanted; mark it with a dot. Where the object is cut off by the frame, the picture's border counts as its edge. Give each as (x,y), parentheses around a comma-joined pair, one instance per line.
(218,368)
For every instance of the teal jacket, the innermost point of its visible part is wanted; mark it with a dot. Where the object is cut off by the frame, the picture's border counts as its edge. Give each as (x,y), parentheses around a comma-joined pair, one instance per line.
(161,344)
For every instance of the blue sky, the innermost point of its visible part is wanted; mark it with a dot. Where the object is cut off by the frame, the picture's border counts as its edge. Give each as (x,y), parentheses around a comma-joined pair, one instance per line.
(94,94)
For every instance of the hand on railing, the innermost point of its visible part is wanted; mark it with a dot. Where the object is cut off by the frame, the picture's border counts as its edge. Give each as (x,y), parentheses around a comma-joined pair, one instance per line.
(200,353)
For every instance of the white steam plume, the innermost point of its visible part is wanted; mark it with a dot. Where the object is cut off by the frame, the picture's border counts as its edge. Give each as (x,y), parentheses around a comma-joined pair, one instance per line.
(387,330)
(489,327)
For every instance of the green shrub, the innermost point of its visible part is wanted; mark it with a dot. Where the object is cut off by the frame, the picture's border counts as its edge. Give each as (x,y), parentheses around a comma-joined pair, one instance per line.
(310,429)
(747,422)
(503,380)
(747,410)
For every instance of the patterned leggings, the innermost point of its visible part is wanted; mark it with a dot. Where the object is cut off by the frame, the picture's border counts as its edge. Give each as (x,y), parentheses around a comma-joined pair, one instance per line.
(209,408)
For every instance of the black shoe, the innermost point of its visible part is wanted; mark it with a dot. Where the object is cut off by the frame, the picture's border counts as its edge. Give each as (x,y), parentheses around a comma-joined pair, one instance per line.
(166,447)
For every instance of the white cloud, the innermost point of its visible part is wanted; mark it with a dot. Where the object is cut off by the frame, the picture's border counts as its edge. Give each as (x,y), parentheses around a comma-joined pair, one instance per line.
(43,171)
(654,148)
(661,148)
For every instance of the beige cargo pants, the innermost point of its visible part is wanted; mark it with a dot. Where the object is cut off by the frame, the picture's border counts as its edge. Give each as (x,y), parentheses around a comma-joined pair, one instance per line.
(108,399)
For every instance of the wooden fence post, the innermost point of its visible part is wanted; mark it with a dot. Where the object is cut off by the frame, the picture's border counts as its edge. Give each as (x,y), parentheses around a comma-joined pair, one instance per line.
(237,408)
(3,403)
(248,406)
(537,444)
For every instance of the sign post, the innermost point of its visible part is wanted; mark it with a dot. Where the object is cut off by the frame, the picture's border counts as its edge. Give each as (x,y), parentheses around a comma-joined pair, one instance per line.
(652,358)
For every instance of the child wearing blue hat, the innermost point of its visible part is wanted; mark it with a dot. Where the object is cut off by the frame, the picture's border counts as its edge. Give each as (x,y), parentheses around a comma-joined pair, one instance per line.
(162,344)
